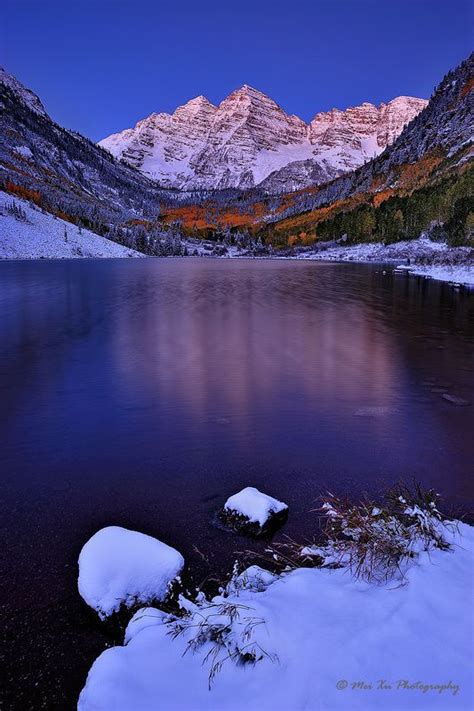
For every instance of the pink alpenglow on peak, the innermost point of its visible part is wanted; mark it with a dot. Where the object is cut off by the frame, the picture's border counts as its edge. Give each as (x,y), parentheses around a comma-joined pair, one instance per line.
(249,140)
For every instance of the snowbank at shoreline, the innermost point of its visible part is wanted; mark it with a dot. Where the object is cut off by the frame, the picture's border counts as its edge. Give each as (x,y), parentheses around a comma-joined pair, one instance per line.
(442,272)
(43,236)
(326,640)
(421,257)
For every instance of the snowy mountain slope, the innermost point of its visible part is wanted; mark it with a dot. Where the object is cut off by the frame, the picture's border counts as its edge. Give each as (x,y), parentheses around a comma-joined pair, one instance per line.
(26,95)
(419,183)
(63,171)
(42,236)
(343,140)
(248,139)
(435,146)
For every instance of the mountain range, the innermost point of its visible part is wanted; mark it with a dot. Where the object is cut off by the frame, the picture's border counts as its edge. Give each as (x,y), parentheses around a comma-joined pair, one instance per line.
(249,140)
(420,182)
(423,180)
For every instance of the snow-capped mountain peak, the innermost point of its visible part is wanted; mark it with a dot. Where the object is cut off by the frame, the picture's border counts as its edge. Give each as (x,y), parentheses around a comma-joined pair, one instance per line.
(248,139)
(195,106)
(200,101)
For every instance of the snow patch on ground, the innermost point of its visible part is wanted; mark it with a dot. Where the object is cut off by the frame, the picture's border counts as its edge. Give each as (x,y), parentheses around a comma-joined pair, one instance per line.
(406,256)
(327,641)
(254,505)
(23,151)
(121,567)
(454,274)
(253,578)
(44,236)
(145,617)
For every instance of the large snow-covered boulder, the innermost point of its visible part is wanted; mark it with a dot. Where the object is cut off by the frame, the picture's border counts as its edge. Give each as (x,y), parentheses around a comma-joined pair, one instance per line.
(253,512)
(122,567)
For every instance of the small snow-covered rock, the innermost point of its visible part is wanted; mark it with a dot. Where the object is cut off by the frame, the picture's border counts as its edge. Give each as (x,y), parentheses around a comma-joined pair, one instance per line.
(250,511)
(122,567)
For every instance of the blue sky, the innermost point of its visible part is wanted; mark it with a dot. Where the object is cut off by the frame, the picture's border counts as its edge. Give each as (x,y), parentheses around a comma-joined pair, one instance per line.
(100,65)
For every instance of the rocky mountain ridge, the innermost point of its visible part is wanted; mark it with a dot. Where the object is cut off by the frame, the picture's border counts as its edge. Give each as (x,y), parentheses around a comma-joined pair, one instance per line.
(21,92)
(66,174)
(249,140)
(436,136)
(423,181)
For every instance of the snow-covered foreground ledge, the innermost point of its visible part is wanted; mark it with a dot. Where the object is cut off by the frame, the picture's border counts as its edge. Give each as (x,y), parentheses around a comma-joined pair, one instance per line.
(421,257)
(42,236)
(323,639)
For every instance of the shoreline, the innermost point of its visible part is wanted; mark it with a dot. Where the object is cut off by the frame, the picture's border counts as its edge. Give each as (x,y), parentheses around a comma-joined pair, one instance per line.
(264,637)
(420,257)
(455,276)
(26,239)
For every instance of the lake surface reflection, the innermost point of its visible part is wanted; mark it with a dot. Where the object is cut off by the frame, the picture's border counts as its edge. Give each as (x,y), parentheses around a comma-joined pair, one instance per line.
(144,392)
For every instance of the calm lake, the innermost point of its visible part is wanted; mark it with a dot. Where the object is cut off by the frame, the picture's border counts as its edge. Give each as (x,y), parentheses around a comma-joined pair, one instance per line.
(144,392)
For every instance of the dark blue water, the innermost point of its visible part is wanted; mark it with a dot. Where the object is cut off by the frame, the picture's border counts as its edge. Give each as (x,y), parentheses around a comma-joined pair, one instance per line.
(144,392)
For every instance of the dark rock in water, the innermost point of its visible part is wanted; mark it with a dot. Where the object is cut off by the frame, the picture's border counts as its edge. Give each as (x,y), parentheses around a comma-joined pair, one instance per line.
(241,524)
(253,513)
(454,400)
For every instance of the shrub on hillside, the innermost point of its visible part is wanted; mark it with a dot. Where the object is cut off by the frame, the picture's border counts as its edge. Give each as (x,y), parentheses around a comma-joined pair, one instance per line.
(16,210)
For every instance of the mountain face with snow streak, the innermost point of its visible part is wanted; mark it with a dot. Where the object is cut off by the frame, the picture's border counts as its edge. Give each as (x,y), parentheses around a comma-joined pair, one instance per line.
(249,140)
(63,171)
(25,95)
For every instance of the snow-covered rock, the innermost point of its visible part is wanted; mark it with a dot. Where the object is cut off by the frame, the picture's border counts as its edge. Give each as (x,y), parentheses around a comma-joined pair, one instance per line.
(254,512)
(327,642)
(122,567)
(41,235)
(248,139)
